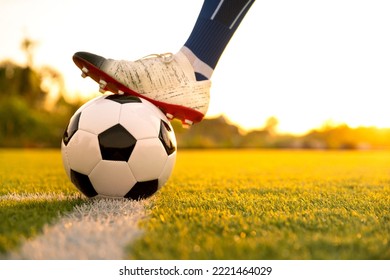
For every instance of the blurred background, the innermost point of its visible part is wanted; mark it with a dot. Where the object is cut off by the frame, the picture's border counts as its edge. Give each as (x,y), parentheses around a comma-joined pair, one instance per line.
(297,74)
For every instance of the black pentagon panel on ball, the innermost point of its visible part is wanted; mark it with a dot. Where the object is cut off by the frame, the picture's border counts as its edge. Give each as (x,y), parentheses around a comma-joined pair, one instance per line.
(142,190)
(83,183)
(124,99)
(116,143)
(71,129)
(165,137)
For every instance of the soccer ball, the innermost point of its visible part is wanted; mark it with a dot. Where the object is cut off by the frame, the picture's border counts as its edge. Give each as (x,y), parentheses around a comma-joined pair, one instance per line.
(118,146)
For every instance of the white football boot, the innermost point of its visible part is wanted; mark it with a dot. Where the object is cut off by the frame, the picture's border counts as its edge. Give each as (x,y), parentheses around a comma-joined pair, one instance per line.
(166,80)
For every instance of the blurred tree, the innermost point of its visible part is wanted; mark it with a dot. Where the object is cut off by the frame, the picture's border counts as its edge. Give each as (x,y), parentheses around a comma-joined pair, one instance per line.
(271,125)
(52,83)
(33,110)
(210,133)
(28,46)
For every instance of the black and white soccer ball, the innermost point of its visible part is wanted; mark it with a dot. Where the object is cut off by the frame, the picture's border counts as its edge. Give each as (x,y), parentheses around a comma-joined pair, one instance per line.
(118,146)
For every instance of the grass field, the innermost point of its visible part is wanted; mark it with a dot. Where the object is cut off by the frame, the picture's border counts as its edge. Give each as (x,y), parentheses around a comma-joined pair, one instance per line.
(236,204)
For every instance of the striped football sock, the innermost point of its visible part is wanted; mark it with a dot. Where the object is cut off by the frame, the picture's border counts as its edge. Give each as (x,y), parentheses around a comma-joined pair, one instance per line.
(216,24)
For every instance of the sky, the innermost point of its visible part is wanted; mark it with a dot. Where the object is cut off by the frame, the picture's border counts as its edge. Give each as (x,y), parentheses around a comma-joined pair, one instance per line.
(306,62)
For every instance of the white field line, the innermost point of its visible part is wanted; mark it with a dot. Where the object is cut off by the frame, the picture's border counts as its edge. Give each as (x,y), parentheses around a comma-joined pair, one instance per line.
(98,229)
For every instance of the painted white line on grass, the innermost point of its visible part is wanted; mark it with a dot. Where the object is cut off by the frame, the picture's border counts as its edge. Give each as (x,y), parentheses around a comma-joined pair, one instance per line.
(98,229)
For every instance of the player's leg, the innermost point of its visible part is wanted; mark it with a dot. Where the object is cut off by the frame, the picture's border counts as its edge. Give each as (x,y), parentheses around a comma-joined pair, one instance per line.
(177,83)
(215,26)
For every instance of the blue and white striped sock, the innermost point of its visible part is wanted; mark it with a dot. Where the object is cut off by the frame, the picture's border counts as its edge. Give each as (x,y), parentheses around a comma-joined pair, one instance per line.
(216,24)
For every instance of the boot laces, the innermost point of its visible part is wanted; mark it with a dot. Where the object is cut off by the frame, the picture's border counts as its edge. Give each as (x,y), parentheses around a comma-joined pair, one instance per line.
(165,57)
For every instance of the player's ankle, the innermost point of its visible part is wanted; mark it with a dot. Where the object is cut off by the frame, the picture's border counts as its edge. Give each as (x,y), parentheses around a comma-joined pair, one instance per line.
(201,69)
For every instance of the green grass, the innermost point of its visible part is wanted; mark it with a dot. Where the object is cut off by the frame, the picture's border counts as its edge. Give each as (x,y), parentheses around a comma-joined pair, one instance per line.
(21,220)
(28,173)
(33,171)
(238,204)
(272,205)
